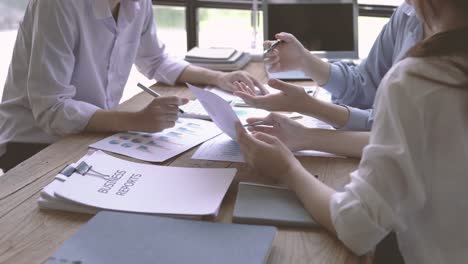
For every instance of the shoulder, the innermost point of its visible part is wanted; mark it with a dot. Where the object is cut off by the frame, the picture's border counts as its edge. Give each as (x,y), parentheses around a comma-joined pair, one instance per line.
(60,7)
(401,15)
(418,77)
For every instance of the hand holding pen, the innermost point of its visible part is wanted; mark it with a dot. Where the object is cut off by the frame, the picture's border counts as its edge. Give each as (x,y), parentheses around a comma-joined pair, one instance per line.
(273,45)
(153,93)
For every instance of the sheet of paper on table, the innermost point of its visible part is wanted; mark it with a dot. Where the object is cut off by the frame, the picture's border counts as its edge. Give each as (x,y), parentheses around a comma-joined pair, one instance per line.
(223,148)
(161,146)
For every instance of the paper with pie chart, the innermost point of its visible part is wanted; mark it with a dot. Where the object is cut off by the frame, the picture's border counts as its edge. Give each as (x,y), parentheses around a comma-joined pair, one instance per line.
(161,146)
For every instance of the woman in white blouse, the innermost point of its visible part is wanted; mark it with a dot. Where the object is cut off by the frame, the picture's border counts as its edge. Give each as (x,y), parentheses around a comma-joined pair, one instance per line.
(69,67)
(413,175)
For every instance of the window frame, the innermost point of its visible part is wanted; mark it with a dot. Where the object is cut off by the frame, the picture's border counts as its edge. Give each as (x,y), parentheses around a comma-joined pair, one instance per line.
(192,6)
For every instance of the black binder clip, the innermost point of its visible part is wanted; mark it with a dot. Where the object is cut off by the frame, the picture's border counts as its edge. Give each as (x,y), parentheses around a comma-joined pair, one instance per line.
(84,169)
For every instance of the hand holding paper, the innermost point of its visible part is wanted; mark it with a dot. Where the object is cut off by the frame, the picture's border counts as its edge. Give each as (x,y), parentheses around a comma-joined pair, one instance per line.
(219,110)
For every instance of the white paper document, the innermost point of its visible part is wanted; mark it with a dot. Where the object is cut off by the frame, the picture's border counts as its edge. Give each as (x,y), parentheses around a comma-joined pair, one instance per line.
(219,110)
(120,185)
(223,148)
(220,148)
(158,147)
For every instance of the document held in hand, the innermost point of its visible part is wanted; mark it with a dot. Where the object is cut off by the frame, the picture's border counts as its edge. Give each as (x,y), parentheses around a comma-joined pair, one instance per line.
(219,110)
(120,185)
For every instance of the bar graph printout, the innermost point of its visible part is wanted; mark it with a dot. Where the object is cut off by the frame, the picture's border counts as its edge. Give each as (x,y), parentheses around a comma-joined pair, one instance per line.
(158,147)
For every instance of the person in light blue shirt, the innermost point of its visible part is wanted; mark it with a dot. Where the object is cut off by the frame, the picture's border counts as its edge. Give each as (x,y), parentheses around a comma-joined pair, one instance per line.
(352,87)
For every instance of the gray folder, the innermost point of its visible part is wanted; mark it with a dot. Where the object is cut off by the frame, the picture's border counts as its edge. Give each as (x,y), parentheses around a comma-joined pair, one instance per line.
(270,205)
(115,237)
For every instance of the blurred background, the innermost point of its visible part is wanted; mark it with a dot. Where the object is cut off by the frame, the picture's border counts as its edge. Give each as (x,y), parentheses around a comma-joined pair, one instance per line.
(183,24)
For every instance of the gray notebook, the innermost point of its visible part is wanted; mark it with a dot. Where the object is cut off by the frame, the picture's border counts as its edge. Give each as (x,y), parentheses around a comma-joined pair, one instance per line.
(270,205)
(115,237)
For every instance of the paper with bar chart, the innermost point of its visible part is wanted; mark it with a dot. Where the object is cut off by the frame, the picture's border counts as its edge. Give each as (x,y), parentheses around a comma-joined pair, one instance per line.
(161,146)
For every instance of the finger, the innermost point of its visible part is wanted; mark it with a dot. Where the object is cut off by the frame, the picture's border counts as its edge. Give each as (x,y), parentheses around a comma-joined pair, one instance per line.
(244,88)
(271,56)
(260,86)
(249,99)
(286,37)
(168,124)
(168,108)
(171,118)
(164,125)
(242,137)
(267,43)
(263,129)
(283,86)
(170,100)
(248,83)
(166,117)
(265,138)
(255,119)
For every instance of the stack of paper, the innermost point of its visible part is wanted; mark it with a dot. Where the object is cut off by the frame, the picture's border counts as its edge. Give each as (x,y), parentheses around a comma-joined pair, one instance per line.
(223,59)
(120,185)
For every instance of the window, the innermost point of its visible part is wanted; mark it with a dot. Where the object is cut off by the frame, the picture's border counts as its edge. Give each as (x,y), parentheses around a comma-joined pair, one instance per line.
(227,28)
(11,13)
(228,23)
(171,27)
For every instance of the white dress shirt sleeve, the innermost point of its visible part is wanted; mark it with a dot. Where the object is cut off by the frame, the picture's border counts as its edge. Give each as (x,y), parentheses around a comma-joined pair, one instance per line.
(152,60)
(388,184)
(52,61)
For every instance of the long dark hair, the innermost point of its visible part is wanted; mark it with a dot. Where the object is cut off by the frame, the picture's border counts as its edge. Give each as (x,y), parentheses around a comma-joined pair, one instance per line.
(454,42)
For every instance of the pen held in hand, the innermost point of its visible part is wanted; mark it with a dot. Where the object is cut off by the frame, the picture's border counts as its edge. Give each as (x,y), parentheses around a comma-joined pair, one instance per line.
(260,123)
(153,93)
(274,45)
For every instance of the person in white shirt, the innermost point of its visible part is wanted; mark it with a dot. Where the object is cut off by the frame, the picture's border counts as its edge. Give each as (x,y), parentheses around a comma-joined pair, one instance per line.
(412,177)
(70,64)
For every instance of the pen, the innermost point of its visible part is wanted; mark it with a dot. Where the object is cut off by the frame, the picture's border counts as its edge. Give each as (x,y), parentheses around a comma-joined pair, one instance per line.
(274,45)
(259,123)
(153,93)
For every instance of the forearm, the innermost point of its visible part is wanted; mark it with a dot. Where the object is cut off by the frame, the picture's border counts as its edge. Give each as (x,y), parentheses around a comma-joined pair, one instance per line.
(343,143)
(198,75)
(110,121)
(314,195)
(335,115)
(317,69)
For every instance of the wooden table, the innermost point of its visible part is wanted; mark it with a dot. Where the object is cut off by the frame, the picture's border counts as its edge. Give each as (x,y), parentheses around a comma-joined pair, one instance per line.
(30,235)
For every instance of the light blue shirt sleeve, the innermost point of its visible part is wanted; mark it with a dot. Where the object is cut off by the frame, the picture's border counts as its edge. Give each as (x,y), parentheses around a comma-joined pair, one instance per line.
(356,86)
(359,119)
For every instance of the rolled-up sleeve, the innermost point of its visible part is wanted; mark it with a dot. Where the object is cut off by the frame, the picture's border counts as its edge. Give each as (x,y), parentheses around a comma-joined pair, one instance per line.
(359,119)
(152,59)
(356,86)
(388,185)
(52,61)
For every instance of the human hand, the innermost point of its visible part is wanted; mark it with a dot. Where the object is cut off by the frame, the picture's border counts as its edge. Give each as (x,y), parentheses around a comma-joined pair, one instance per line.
(291,97)
(267,155)
(158,115)
(227,81)
(288,55)
(291,133)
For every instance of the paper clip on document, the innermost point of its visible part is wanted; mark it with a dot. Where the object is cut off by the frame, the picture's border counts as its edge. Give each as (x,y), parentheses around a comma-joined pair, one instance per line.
(84,169)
